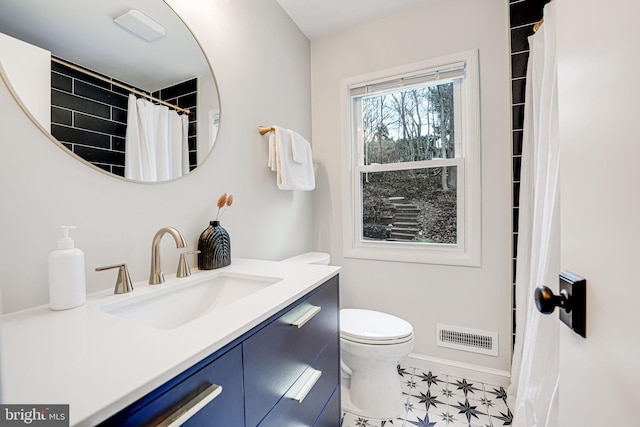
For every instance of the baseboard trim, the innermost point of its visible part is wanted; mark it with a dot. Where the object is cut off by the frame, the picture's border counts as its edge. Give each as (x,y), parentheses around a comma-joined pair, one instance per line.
(458,369)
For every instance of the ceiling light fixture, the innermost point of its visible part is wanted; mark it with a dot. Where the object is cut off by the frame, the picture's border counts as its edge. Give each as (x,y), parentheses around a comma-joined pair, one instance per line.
(141,25)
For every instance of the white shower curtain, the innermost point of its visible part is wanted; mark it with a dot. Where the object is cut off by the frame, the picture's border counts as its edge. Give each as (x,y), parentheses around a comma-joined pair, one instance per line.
(156,142)
(533,392)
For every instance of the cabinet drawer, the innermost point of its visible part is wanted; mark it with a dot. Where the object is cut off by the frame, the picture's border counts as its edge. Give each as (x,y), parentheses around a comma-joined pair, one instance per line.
(289,412)
(226,410)
(331,413)
(278,354)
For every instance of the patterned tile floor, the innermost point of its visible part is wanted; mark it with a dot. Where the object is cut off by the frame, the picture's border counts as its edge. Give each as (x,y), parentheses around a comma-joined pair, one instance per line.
(435,400)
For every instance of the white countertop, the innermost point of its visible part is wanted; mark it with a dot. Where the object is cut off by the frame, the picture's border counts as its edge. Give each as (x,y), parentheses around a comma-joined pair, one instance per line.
(99,363)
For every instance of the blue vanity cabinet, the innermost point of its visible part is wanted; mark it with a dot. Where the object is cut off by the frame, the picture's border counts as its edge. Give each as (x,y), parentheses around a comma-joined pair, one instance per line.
(223,368)
(260,373)
(304,336)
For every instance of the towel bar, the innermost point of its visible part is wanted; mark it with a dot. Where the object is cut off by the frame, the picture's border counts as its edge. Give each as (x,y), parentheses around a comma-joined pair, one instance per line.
(264,130)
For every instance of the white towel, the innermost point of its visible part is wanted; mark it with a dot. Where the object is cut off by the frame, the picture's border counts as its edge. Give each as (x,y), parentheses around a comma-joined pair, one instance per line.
(272,163)
(300,148)
(291,158)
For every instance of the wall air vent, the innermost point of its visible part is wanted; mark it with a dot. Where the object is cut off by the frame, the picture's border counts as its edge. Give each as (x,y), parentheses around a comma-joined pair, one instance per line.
(466,339)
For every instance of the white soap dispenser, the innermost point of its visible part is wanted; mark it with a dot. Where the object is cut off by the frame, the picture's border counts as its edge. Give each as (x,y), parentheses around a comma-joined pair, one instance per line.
(66,274)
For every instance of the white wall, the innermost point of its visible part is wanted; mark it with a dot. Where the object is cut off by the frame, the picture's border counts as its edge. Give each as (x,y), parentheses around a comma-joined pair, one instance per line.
(261,62)
(423,294)
(29,68)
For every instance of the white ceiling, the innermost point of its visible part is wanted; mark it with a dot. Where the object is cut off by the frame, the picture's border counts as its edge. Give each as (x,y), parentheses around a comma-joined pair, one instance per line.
(322,18)
(83,32)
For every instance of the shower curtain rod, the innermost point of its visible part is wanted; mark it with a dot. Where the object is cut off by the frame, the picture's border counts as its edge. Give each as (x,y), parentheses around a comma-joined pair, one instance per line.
(120,85)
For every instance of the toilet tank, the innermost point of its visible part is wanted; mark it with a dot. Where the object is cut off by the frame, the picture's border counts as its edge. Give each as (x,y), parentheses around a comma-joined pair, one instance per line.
(320,258)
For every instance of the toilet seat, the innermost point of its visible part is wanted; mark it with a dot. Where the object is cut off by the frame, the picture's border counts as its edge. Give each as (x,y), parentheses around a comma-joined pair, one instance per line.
(373,327)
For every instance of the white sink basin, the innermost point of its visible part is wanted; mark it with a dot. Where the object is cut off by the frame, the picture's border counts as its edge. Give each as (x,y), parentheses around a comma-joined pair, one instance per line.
(176,304)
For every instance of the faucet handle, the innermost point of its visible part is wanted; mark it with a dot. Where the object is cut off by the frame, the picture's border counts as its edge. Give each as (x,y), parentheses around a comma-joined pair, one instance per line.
(123,282)
(183,264)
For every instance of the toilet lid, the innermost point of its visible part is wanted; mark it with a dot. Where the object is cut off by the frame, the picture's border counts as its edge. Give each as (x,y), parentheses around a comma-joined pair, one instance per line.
(373,327)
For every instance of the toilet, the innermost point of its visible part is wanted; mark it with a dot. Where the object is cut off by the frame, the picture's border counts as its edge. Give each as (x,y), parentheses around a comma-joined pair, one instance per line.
(372,344)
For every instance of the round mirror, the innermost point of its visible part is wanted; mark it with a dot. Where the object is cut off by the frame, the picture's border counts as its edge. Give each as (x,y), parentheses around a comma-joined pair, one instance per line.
(122,84)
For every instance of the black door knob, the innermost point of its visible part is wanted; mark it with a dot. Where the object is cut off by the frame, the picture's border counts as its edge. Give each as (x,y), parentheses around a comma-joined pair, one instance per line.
(572,299)
(546,301)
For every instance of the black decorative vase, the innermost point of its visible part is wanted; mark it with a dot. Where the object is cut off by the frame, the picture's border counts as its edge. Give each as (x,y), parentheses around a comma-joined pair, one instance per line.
(214,246)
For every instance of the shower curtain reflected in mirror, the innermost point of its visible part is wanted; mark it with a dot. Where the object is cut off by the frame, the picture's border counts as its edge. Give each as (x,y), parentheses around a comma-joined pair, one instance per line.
(156,142)
(535,369)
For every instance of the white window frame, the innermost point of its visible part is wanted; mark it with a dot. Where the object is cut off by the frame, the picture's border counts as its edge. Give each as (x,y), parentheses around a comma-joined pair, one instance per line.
(467,251)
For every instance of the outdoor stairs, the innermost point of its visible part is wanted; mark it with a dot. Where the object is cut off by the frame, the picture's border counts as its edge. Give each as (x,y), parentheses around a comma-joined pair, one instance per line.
(404,221)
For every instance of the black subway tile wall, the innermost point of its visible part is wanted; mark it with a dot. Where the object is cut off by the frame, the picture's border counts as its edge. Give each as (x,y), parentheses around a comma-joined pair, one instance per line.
(523,15)
(89,116)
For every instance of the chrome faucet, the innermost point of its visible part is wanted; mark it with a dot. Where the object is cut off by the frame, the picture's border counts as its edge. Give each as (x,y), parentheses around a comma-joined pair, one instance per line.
(156,277)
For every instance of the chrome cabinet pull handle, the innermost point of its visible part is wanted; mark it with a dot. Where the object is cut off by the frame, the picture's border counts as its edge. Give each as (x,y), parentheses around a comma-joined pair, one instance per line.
(305,383)
(306,316)
(192,407)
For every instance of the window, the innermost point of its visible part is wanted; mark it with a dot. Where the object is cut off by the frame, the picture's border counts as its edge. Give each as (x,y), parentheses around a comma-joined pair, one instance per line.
(414,163)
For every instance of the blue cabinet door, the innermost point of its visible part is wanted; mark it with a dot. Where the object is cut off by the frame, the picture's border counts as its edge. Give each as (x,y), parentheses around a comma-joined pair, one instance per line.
(226,410)
(289,412)
(276,356)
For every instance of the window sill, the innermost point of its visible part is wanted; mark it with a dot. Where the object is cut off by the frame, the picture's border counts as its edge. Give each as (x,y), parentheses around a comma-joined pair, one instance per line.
(413,253)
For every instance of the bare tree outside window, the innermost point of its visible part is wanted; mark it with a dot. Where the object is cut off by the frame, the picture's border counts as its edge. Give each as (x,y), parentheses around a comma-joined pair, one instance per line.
(411,203)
